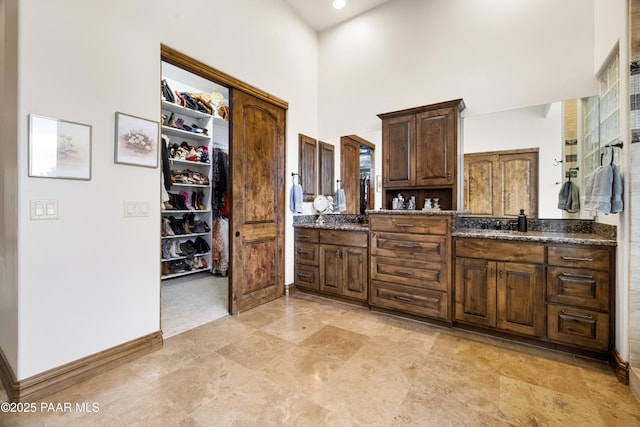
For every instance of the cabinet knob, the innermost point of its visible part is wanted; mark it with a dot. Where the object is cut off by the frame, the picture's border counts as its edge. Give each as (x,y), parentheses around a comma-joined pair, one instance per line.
(492,271)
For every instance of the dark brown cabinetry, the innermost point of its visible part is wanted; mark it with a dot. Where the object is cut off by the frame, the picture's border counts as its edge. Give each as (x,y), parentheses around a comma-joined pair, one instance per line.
(333,262)
(306,258)
(344,263)
(410,264)
(500,285)
(420,150)
(579,296)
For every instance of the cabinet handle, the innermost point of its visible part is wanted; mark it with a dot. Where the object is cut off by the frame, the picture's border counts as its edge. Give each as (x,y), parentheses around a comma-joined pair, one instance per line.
(414,246)
(404,225)
(338,254)
(307,275)
(492,271)
(303,251)
(579,316)
(501,273)
(304,236)
(449,175)
(581,276)
(575,258)
(408,273)
(405,299)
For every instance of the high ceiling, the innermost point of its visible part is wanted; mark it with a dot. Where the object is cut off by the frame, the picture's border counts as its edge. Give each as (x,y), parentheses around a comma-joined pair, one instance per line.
(321,15)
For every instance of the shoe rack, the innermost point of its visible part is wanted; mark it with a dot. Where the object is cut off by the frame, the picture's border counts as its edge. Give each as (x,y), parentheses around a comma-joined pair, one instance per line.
(187,218)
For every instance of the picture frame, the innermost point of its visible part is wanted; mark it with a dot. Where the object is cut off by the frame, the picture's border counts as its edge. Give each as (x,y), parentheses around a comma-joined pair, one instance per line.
(59,148)
(136,141)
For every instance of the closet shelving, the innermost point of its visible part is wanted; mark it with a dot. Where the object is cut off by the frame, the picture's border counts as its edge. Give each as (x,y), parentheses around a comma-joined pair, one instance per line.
(216,135)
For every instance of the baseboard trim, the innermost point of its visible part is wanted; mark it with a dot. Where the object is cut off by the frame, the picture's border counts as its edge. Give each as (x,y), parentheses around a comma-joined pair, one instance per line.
(620,367)
(56,379)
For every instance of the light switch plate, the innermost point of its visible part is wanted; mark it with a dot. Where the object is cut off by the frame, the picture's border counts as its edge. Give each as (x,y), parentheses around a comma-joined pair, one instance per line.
(43,209)
(134,209)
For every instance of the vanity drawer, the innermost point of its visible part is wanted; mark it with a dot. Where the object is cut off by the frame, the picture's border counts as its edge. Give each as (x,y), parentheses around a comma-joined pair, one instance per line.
(306,235)
(591,257)
(409,224)
(584,328)
(409,246)
(585,288)
(306,253)
(408,299)
(423,275)
(500,251)
(306,277)
(345,238)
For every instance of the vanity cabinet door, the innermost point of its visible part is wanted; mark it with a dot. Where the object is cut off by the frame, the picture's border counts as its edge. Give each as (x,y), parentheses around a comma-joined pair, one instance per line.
(330,269)
(520,298)
(475,287)
(354,271)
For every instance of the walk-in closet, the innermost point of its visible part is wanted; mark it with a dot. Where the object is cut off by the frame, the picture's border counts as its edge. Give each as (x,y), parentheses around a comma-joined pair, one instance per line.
(195,204)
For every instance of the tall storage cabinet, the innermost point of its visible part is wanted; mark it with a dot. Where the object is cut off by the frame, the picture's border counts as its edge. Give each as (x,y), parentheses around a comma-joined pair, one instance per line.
(191,134)
(420,153)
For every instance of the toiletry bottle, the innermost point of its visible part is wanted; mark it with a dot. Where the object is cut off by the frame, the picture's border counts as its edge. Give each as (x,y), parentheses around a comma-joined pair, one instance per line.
(522,222)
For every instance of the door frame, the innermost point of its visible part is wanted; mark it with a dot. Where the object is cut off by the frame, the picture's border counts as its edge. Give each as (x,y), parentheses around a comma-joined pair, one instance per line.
(174,57)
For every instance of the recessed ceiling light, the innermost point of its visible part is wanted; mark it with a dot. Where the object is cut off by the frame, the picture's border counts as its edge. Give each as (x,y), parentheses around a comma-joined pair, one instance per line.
(339,4)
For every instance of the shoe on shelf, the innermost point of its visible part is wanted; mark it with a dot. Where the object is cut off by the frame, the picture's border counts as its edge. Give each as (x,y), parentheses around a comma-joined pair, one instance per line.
(172,120)
(187,201)
(166,228)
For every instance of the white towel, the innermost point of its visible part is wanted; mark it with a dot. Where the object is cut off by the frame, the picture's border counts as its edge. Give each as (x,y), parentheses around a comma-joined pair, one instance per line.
(341,200)
(295,199)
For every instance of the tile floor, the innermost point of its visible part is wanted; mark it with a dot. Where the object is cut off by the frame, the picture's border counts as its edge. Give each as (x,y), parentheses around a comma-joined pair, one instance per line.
(309,361)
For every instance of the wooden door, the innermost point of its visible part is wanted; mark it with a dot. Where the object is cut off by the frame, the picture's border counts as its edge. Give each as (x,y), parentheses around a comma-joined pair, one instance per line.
(398,150)
(500,183)
(520,298)
(330,269)
(350,173)
(257,201)
(436,147)
(518,184)
(354,272)
(479,196)
(475,287)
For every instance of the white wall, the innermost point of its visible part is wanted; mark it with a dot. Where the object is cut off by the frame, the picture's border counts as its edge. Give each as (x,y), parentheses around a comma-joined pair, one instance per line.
(612,35)
(496,54)
(8,182)
(91,280)
(524,128)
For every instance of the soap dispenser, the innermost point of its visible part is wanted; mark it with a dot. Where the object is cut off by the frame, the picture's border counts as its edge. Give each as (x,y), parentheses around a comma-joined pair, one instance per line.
(522,222)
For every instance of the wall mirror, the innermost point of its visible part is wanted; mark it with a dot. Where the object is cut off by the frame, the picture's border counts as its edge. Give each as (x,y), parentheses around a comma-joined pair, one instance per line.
(357,173)
(557,132)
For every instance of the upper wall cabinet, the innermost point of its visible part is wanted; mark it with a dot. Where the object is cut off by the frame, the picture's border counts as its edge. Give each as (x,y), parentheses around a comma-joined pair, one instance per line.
(307,166)
(326,168)
(420,149)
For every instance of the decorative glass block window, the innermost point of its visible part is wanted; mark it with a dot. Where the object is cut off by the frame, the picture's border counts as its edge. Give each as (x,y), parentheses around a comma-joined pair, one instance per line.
(601,124)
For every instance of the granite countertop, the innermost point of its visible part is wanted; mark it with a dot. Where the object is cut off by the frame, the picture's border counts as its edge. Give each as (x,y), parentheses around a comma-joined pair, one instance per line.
(334,226)
(537,236)
(418,212)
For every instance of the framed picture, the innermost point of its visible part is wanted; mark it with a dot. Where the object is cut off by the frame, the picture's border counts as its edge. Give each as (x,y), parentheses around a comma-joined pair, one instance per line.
(59,148)
(136,141)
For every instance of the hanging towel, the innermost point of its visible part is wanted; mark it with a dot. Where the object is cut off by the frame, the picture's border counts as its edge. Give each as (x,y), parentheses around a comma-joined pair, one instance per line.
(295,199)
(616,192)
(569,197)
(599,190)
(341,200)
